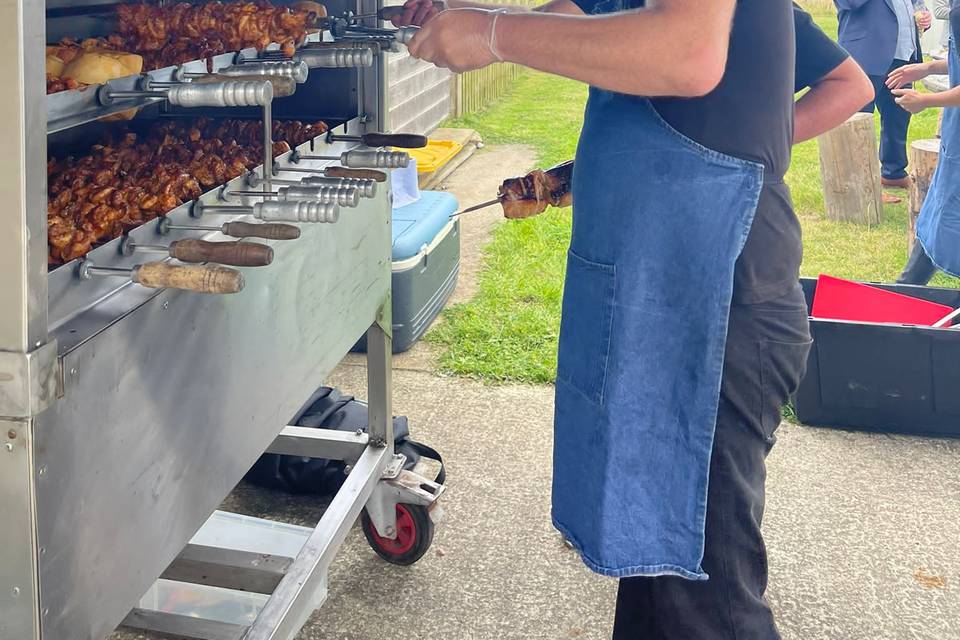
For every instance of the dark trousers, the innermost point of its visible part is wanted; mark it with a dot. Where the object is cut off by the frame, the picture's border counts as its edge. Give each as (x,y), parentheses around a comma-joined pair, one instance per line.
(920,268)
(894,122)
(766,355)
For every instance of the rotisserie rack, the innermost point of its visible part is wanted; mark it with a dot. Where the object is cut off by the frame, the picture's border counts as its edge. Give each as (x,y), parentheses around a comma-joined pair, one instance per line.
(192,150)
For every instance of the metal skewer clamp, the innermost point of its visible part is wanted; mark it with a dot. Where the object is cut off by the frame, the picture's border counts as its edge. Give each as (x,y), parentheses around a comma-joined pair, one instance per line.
(343,196)
(366,187)
(273,211)
(362,158)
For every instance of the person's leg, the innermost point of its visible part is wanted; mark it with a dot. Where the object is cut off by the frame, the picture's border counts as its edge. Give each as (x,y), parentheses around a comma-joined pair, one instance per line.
(894,123)
(766,353)
(919,269)
(879,85)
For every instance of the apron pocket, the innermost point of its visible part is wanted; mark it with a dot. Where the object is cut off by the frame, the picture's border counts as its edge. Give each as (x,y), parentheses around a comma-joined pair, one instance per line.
(782,365)
(587,319)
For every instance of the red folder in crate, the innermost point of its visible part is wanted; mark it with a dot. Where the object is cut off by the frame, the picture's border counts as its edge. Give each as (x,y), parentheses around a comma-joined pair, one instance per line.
(838,299)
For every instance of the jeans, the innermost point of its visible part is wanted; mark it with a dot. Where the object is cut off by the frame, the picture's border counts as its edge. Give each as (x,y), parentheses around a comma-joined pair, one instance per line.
(894,122)
(766,355)
(919,269)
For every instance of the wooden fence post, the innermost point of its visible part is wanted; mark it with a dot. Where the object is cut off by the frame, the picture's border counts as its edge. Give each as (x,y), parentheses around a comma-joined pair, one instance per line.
(456,95)
(924,155)
(850,171)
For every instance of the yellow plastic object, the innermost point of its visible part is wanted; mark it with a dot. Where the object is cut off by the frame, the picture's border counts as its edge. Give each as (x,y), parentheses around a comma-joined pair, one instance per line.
(436,154)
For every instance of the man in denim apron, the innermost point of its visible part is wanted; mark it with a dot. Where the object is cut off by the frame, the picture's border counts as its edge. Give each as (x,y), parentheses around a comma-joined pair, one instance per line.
(684,329)
(938,227)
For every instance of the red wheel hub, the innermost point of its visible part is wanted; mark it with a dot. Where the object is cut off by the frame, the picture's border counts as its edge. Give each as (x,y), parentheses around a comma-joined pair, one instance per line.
(406,534)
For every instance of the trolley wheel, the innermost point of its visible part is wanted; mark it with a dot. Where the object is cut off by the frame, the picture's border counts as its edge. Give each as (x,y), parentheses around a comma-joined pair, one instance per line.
(414,535)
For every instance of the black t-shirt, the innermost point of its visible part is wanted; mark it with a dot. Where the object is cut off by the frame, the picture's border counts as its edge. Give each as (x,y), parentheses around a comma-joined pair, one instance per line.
(750,116)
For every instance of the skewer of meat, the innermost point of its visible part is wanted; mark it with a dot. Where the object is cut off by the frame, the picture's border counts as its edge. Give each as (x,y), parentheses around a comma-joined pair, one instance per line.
(530,195)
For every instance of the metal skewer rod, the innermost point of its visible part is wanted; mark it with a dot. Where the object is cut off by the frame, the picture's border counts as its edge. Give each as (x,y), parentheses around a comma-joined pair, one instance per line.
(267,146)
(482,205)
(131,247)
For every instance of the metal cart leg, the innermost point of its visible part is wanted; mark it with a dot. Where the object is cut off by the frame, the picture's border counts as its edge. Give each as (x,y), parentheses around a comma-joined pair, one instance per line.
(401,492)
(376,483)
(379,378)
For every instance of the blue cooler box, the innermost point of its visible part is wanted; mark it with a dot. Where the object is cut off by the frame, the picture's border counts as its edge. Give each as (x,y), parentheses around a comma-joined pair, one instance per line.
(426,263)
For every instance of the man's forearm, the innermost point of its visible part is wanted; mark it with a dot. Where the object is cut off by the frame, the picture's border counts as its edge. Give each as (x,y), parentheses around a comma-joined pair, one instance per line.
(832,100)
(632,52)
(938,67)
(554,6)
(467,4)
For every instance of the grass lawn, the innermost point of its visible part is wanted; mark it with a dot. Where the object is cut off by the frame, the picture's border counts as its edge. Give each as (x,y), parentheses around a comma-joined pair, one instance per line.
(509,331)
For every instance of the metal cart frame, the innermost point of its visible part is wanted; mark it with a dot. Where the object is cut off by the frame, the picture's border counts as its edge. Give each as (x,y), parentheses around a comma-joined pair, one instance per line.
(115,417)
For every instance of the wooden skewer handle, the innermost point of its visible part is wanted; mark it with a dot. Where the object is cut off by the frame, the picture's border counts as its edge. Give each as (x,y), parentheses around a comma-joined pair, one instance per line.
(237,254)
(202,279)
(365,174)
(268,231)
(402,140)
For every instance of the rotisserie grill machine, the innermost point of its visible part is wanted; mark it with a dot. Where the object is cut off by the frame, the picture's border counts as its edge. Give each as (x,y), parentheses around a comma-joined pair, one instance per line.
(140,379)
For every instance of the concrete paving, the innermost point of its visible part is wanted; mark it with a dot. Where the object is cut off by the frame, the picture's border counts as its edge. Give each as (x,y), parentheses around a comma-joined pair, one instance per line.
(863,530)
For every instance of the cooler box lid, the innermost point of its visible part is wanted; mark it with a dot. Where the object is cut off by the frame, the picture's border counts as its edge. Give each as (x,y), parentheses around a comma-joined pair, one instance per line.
(417,224)
(436,154)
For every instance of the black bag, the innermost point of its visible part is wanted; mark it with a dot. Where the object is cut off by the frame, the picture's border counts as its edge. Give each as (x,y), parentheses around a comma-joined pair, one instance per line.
(329,409)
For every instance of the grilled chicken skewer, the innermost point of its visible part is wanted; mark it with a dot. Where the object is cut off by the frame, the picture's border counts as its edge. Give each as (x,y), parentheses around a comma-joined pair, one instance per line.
(531,194)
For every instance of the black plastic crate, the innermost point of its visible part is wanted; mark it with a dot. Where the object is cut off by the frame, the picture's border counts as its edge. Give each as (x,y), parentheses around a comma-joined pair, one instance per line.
(883,377)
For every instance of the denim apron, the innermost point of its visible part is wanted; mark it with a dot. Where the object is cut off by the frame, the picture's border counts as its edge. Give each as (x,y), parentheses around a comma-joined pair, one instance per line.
(658,223)
(938,227)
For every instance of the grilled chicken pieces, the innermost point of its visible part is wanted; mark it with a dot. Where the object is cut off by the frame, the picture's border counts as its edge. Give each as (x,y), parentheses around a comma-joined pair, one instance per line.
(131,180)
(173,34)
(528,196)
(195,30)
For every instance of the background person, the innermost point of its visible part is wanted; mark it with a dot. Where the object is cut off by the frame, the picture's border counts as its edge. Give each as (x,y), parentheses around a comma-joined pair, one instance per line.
(941,11)
(882,35)
(940,214)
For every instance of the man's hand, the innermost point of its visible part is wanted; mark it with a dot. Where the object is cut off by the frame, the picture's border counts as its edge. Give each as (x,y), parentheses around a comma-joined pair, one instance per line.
(910,100)
(906,74)
(924,19)
(416,12)
(457,39)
